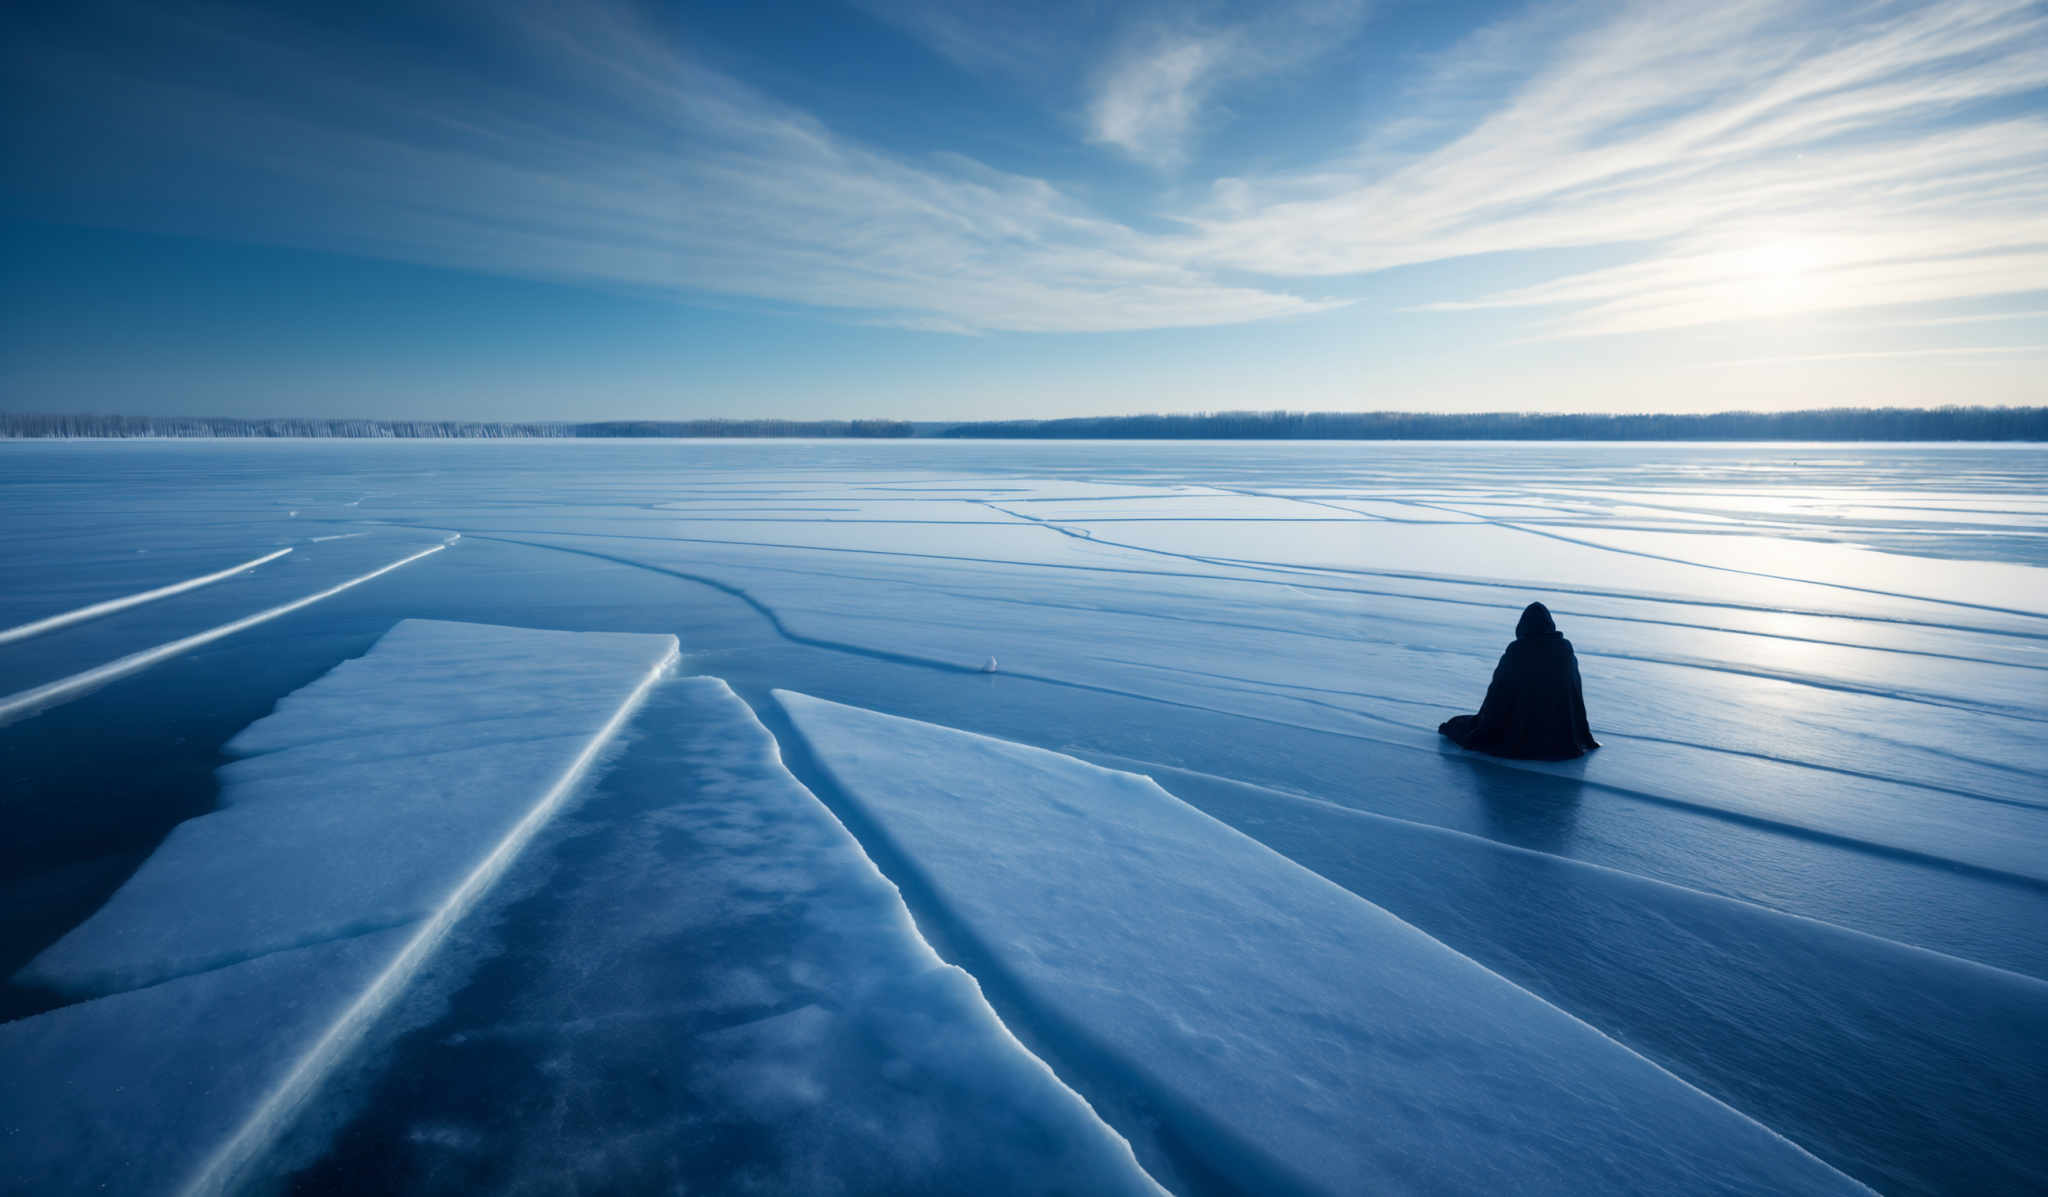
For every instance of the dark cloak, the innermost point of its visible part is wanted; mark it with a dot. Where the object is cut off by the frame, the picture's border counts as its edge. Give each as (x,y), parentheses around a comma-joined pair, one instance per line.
(1535,709)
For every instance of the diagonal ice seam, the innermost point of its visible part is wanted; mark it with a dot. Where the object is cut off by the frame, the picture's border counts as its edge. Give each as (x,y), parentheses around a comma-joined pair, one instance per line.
(1272,1029)
(65,619)
(1699,983)
(255,926)
(24,703)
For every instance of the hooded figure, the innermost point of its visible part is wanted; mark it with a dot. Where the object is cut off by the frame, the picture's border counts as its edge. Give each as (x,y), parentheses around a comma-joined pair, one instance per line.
(1535,708)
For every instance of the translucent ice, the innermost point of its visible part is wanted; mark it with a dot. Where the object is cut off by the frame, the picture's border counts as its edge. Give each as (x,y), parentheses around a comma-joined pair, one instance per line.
(250,950)
(1289,1035)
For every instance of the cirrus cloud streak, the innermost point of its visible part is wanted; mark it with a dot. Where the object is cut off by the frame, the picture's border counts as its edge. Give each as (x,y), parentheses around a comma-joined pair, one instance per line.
(1890,152)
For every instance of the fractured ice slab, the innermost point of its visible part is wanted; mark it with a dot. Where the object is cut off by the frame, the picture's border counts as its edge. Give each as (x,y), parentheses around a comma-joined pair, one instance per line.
(363,841)
(1285,1033)
(133,1092)
(1913,1071)
(1850,743)
(701,984)
(298,911)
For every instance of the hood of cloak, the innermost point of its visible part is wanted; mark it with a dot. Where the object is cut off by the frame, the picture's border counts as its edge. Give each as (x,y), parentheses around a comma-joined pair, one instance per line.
(1535,622)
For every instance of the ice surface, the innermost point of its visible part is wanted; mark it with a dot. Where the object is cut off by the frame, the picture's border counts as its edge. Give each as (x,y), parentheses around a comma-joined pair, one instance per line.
(365,849)
(108,606)
(301,858)
(294,917)
(24,703)
(1290,1035)
(703,984)
(1967,584)
(1804,743)
(1750,744)
(1868,731)
(1913,1071)
(135,1092)
(1555,561)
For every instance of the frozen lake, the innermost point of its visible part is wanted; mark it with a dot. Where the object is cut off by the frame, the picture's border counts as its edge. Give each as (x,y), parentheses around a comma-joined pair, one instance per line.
(1018,816)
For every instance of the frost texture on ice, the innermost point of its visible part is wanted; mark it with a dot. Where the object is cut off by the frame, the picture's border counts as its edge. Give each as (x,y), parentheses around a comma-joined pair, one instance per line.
(266,935)
(1913,1071)
(1288,1034)
(133,1092)
(364,841)
(1869,731)
(701,983)
(1855,737)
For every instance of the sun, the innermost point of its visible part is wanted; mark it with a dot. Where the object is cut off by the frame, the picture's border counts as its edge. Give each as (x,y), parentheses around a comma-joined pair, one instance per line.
(1777,276)
(1780,259)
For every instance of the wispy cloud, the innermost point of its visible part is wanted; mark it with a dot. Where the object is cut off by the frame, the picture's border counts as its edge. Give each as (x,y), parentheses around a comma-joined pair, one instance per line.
(1870,142)
(1972,318)
(1747,160)
(1787,359)
(1150,91)
(1033,43)
(1137,77)
(614,156)
(1147,100)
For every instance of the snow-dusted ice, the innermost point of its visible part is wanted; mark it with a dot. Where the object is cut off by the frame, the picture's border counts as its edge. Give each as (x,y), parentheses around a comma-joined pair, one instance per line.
(705,961)
(1284,1034)
(330,833)
(1921,1071)
(1796,901)
(144,1091)
(247,926)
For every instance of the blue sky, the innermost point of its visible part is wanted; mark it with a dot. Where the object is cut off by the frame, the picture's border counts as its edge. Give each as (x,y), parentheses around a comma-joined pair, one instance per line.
(598,209)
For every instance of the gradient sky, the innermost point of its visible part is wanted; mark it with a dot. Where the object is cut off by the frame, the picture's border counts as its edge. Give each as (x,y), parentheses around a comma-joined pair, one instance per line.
(592,209)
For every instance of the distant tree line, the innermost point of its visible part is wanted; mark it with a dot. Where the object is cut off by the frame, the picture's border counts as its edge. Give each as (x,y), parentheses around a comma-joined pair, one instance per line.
(633,428)
(31,424)
(27,424)
(1820,424)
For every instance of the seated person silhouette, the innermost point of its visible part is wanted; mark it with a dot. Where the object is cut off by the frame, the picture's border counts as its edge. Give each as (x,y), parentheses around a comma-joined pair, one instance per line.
(1535,709)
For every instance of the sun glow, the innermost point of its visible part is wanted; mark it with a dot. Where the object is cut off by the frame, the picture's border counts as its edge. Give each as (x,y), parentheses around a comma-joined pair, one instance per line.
(1778,276)
(1781,259)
